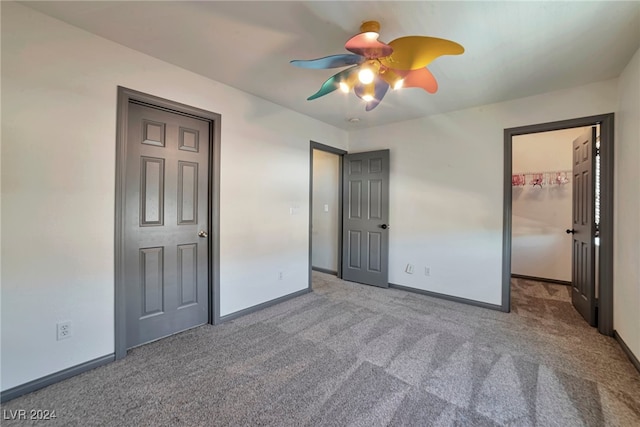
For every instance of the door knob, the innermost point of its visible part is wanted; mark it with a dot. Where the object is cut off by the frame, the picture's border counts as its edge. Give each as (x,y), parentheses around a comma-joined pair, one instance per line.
(202,233)
(571,231)
(384,226)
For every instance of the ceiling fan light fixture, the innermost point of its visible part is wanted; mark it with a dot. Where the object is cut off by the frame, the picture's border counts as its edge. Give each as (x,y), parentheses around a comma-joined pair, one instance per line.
(377,66)
(370,35)
(366,75)
(369,92)
(395,80)
(368,72)
(370,27)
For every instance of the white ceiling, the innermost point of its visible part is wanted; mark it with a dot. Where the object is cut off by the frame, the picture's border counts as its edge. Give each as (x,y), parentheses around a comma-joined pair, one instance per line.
(513,49)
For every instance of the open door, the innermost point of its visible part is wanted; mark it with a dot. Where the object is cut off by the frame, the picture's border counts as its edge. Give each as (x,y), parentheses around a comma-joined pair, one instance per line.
(583,231)
(365,218)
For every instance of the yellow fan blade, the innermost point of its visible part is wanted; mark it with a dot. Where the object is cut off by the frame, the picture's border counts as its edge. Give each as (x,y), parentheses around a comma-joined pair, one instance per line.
(414,52)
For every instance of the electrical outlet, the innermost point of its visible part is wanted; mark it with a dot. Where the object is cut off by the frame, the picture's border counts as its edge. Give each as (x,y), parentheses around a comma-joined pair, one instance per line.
(409,268)
(427,271)
(64,330)
(280,275)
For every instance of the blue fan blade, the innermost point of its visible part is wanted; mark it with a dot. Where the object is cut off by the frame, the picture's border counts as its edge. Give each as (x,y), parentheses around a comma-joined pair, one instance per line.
(333,82)
(380,90)
(333,61)
(358,89)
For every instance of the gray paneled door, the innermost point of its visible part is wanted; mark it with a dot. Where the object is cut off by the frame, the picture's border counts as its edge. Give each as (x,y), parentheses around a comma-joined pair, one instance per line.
(166,267)
(365,237)
(583,231)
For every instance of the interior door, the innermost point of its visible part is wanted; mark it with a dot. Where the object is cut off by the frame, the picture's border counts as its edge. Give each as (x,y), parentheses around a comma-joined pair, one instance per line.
(166,206)
(583,231)
(365,218)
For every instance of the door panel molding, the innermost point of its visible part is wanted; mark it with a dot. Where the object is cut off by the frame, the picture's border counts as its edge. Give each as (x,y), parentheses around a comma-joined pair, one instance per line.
(151,192)
(606,122)
(151,272)
(155,136)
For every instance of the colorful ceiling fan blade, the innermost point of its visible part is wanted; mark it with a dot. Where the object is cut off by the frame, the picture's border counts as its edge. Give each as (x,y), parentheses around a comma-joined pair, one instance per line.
(381,90)
(332,61)
(421,78)
(414,52)
(401,63)
(367,45)
(333,82)
(378,89)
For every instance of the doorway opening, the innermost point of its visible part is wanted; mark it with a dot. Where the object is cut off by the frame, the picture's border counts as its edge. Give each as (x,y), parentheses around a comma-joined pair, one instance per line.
(167,220)
(325,209)
(542,192)
(356,246)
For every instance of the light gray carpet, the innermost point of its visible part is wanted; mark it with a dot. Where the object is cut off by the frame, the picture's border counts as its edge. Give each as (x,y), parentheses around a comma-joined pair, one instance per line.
(354,355)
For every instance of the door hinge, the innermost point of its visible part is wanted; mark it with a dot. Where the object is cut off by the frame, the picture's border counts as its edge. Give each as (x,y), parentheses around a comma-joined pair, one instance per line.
(597,151)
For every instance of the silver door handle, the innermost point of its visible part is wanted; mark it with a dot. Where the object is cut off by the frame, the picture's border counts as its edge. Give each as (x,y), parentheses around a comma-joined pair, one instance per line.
(202,233)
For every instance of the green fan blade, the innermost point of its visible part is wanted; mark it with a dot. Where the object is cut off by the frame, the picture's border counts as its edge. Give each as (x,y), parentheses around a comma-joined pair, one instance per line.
(333,61)
(333,82)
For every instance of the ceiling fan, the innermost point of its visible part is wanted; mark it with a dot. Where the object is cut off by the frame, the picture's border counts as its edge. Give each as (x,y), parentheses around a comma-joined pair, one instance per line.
(376,66)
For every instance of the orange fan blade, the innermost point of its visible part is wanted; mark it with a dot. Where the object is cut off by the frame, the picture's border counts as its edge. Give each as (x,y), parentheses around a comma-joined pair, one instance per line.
(414,52)
(367,45)
(421,78)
